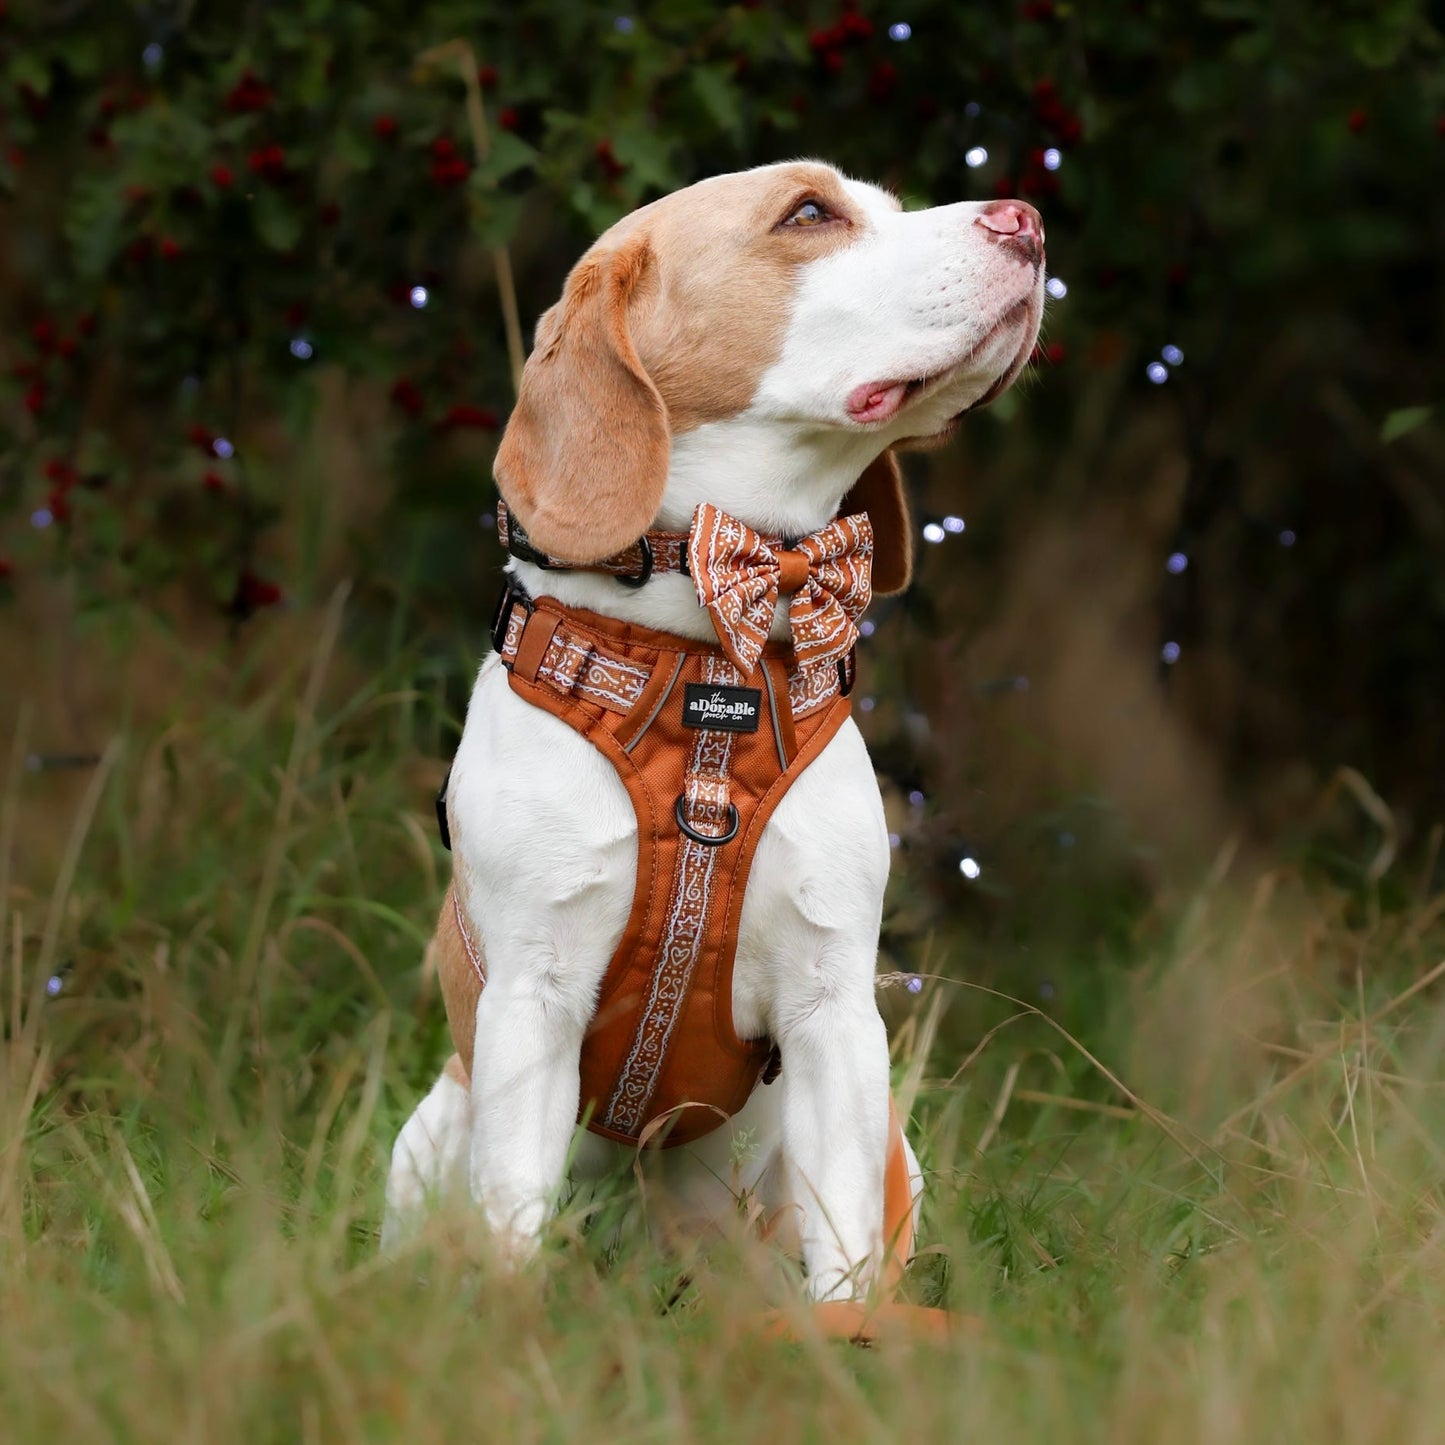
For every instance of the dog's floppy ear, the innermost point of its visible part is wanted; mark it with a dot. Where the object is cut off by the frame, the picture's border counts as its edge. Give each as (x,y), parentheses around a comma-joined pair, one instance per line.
(584,458)
(879,492)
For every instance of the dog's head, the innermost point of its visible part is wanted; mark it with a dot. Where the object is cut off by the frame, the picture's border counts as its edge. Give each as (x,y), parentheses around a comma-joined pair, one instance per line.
(754,339)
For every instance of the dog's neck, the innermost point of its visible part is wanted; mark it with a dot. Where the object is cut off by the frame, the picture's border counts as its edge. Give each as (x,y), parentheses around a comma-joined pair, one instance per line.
(781,481)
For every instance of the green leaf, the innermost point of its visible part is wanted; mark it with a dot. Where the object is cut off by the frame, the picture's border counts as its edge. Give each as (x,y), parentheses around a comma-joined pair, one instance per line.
(351,149)
(1406,419)
(276,223)
(495,217)
(93,223)
(28,68)
(714,88)
(509,154)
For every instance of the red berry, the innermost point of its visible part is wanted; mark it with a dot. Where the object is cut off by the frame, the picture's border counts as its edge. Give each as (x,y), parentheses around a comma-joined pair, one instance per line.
(222,177)
(249,94)
(1055,352)
(35,399)
(406,395)
(798,103)
(99,138)
(253,593)
(1071,130)
(821,40)
(443,146)
(269,161)
(507,118)
(384,126)
(1358,119)
(450,171)
(7,569)
(200,436)
(58,505)
(66,347)
(43,335)
(213,482)
(832,61)
(170,248)
(56,470)
(1005,186)
(487,77)
(611,166)
(883,80)
(466,415)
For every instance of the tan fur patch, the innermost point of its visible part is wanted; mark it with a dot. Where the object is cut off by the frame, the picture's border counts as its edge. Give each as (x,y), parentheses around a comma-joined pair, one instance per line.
(460,985)
(668,322)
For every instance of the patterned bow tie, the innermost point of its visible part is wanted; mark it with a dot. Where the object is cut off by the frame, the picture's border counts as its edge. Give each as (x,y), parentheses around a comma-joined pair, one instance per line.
(739,579)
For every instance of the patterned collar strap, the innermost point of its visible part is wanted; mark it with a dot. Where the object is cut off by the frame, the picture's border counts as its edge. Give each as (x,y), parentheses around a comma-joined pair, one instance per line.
(653,552)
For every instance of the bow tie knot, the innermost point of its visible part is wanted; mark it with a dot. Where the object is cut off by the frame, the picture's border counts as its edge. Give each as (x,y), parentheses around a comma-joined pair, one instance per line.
(740,577)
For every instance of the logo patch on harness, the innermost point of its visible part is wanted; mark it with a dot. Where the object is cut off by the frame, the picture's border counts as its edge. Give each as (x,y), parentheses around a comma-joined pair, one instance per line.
(722,709)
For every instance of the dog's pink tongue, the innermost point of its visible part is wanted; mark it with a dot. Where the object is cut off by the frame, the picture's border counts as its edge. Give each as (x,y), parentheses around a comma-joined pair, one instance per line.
(876,400)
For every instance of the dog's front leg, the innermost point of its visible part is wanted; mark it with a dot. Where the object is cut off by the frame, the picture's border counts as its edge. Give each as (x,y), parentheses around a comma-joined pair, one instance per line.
(835,1138)
(525,1084)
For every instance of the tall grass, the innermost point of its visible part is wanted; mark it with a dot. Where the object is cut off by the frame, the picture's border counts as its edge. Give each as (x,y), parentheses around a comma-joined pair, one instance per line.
(1212,1211)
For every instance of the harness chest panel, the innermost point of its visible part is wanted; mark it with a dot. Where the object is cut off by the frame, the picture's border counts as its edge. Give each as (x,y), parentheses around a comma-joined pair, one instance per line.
(705,755)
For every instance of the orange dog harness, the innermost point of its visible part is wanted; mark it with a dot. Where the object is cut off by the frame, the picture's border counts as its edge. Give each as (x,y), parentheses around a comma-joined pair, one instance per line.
(707,740)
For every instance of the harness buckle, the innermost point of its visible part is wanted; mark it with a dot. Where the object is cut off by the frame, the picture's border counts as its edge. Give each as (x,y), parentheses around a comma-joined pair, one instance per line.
(512,594)
(519,544)
(638,579)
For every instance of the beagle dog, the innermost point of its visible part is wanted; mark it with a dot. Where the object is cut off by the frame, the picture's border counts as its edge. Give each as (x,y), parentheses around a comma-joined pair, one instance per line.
(757,344)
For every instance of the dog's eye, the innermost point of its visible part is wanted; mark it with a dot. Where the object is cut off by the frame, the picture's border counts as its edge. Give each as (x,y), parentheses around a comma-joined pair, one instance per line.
(810,213)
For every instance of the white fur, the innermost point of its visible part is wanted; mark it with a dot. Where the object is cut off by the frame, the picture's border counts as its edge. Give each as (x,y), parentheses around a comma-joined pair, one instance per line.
(546,836)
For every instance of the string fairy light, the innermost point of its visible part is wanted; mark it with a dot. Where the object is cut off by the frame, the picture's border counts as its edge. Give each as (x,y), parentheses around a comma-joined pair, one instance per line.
(1056,287)
(975,157)
(901,30)
(1176,564)
(969,867)
(418,296)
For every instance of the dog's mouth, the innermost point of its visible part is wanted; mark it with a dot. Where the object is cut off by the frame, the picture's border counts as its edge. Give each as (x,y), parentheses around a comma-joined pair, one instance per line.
(881,401)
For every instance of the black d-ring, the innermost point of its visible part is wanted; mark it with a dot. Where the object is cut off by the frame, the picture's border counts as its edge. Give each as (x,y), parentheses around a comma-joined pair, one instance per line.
(639,579)
(703,838)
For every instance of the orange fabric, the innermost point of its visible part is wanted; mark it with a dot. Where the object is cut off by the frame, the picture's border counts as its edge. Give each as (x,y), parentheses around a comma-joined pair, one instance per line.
(739,578)
(662,1037)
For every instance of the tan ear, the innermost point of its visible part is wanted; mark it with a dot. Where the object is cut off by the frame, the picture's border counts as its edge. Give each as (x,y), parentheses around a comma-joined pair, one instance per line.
(584,459)
(879,492)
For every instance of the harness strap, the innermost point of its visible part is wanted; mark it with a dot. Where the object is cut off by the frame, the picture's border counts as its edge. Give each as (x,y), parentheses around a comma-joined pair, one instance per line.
(544,643)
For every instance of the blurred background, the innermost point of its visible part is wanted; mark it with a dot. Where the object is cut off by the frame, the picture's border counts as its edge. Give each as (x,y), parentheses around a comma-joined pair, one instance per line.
(254,344)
